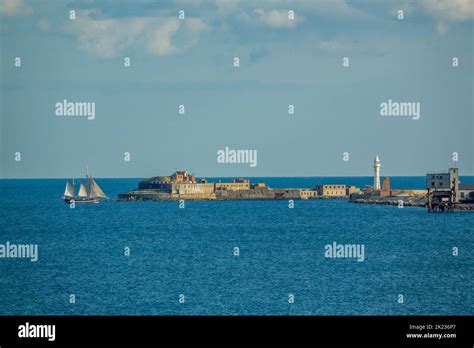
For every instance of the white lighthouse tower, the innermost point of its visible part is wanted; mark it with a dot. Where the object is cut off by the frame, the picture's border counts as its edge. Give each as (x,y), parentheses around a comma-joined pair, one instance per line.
(376,173)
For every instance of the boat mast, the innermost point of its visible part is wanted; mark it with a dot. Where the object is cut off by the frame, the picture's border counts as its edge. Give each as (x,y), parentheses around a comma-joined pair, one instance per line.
(88,182)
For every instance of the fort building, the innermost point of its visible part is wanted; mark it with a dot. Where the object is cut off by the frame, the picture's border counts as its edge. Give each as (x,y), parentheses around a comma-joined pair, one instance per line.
(183,176)
(308,194)
(331,190)
(350,190)
(238,184)
(182,185)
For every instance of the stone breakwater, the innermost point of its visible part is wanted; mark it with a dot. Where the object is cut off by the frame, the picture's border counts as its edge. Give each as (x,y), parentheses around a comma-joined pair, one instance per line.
(395,200)
(407,201)
(250,194)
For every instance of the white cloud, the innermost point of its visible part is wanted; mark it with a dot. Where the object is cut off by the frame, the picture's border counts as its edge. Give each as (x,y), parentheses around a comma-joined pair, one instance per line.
(277,18)
(269,14)
(160,42)
(450,10)
(196,25)
(189,2)
(243,16)
(334,8)
(14,7)
(109,38)
(226,5)
(223,6)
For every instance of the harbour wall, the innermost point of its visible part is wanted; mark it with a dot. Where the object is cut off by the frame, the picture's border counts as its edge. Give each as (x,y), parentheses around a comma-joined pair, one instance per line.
(263,193)
(408,201)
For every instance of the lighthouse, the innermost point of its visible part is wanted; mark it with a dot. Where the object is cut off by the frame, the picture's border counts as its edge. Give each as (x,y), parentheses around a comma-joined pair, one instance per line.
(376,173)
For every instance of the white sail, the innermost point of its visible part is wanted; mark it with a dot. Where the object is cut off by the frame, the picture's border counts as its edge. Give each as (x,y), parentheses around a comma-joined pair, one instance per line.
(96,191)
(82,191)
(69,191)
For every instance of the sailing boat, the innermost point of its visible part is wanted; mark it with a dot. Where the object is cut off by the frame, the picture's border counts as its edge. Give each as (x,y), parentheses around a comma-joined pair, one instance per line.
(89,192)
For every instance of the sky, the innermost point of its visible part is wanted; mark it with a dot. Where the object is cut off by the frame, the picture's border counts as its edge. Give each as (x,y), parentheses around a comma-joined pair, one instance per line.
(190,62)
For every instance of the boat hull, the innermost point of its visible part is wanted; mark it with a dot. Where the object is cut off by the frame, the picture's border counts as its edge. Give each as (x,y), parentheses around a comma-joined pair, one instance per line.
(81,201)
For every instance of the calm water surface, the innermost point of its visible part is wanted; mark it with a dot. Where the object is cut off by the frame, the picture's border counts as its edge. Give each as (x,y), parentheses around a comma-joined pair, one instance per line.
(190,251)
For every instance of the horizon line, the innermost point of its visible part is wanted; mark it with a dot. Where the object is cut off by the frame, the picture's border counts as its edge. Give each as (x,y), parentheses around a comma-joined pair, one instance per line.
(224,177)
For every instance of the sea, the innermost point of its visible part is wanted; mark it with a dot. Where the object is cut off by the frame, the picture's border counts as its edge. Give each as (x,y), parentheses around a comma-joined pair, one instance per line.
(232,257)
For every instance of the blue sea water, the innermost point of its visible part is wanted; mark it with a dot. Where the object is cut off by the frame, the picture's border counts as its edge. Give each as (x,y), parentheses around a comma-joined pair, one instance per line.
(190,251)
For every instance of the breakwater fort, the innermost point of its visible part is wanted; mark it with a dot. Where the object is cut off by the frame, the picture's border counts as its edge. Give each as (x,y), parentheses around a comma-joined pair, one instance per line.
(443,191)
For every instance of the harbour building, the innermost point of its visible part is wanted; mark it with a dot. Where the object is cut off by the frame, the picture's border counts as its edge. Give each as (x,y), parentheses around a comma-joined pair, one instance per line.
(443,190)
(466,193)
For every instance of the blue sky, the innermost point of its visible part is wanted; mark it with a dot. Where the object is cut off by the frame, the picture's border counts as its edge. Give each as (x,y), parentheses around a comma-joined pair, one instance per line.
(190,62)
